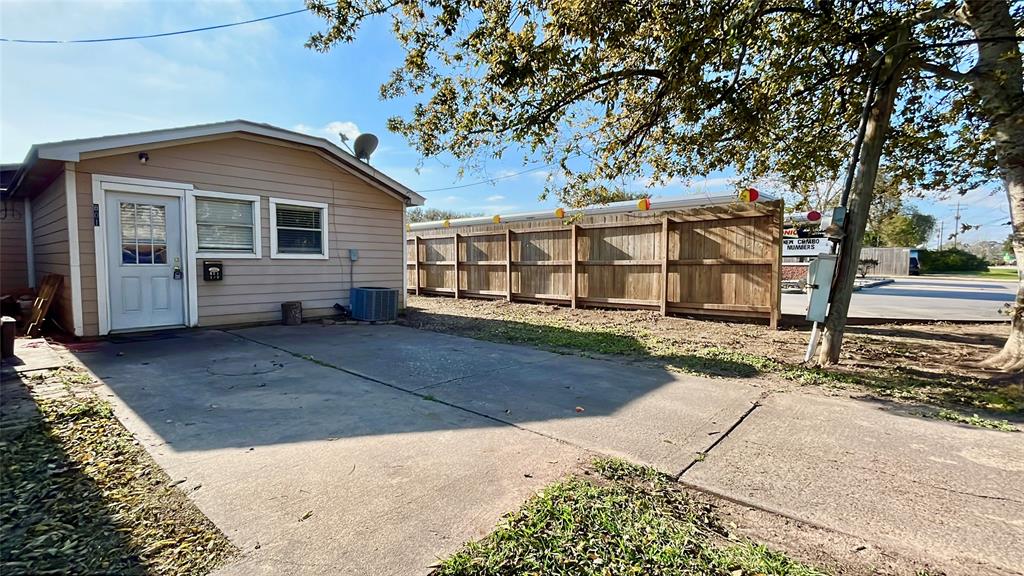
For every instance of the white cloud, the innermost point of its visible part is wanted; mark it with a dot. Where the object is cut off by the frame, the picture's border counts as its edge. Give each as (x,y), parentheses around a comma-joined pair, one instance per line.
(495,198)
(540,175)
(349,129)
(330,130)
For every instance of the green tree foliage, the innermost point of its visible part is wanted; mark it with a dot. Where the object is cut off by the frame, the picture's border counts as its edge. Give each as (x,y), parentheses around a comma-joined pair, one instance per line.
(902,229)
(609,194)
(433,214)
(886,202)
(950,260)
(674,88)
(612,90)
(991,251)
(890,221)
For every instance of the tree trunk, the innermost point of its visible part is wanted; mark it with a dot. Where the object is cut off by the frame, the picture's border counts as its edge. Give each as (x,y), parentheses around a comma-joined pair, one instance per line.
(860,199)
(998,79)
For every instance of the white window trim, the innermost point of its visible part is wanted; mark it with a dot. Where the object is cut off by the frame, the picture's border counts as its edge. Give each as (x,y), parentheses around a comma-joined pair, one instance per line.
(324,220)
(100,185)
(257,225)
(75,254)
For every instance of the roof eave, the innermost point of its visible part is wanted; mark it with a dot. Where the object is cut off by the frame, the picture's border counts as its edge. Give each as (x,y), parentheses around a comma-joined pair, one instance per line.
(71,151)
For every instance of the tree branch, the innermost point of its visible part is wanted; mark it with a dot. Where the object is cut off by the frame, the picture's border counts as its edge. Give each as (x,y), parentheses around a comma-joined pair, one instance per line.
(969,41)
(590,86)
(945,11)
(945,72)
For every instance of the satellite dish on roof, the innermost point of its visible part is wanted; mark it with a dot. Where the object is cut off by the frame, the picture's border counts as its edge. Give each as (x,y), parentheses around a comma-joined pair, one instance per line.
(365,145)
(344,142)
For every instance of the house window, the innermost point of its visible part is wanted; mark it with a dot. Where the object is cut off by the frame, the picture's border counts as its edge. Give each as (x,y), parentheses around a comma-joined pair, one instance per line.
(143,233)
(226,225)
(298,229)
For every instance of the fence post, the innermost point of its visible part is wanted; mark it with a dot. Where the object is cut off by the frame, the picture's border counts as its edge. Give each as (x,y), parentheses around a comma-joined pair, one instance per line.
(776,288)
(508,264)
(572,268)
(416,267)
(455,248)
(664,265)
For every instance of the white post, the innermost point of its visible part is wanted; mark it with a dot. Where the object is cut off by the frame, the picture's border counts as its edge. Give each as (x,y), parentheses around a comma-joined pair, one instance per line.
(815,335)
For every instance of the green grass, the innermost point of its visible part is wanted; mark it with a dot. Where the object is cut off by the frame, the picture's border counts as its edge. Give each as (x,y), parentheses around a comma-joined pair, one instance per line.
(975,420)
(639,343)
(1004,274)
(555,334)
(558,336)
(625,519)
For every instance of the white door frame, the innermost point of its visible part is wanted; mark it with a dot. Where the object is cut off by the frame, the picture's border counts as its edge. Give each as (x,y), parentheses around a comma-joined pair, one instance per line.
(100,185)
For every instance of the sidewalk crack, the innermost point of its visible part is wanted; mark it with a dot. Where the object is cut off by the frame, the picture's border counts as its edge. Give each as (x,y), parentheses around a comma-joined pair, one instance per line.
(701,456)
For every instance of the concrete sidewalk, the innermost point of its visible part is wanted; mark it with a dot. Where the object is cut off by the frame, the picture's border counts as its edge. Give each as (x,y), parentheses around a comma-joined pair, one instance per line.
(926,488)
(403,444)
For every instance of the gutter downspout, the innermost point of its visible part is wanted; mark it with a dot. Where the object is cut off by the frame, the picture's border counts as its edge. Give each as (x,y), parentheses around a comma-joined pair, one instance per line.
(30,249)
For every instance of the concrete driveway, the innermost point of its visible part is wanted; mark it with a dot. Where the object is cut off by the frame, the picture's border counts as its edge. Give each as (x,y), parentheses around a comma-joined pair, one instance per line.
(380,449)
(402,444)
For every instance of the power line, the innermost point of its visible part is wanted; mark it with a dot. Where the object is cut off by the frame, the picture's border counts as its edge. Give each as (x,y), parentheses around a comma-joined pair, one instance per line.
(489,180)
(160,35)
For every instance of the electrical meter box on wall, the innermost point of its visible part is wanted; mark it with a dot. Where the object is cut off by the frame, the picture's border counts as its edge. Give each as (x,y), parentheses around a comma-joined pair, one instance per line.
(213,270)
(834,224)
(819,279)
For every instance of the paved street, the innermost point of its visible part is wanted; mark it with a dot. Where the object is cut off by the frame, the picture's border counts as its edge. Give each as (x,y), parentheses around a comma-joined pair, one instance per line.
(380,449)
(918,298)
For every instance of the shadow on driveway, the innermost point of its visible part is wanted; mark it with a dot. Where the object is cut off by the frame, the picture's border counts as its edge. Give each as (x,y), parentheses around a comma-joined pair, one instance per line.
(207,390)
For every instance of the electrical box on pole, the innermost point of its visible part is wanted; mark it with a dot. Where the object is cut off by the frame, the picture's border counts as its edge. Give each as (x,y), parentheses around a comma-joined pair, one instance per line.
(819,279)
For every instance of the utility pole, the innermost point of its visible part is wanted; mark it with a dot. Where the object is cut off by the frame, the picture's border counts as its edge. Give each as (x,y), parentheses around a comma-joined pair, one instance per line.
(956,226)
(940,235)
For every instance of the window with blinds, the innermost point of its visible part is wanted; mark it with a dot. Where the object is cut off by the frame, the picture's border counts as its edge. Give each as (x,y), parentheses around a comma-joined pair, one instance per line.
(143,233)
(299,229)
(225,225)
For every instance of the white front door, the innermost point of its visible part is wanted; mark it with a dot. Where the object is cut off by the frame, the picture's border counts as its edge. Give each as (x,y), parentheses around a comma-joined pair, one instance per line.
(144,261)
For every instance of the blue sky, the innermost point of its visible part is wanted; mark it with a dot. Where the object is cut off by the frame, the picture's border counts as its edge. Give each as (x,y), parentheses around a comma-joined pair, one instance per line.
(260,72)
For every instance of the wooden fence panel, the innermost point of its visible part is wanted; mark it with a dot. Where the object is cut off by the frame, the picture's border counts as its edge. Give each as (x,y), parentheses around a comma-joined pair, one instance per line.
(715,261)
(891,261)
(482,264)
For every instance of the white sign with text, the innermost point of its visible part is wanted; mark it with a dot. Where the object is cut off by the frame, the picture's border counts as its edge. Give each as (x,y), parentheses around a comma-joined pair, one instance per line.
(805,246)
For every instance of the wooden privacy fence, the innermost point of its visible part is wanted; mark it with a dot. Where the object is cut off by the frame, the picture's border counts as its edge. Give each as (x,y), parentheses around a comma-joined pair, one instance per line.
(722,260)
(891,261)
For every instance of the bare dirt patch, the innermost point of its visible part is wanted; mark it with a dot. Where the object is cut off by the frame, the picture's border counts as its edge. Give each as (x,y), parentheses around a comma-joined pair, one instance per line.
(931,365)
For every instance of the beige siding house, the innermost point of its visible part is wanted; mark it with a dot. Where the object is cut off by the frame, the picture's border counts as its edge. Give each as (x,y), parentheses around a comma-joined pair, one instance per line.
(208,225)
(14,271)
